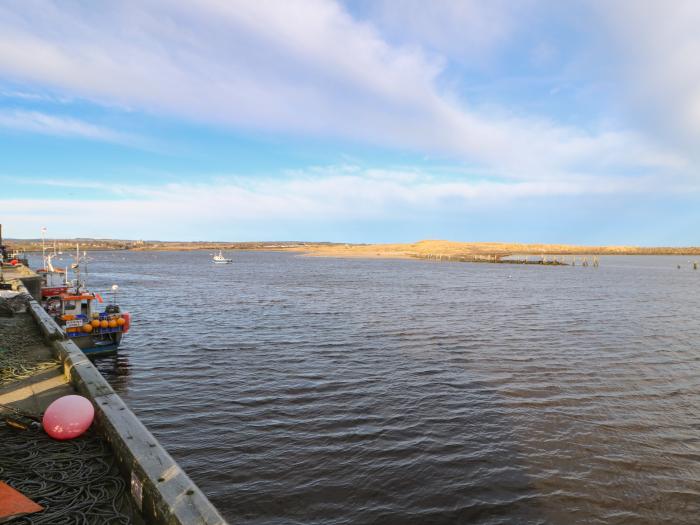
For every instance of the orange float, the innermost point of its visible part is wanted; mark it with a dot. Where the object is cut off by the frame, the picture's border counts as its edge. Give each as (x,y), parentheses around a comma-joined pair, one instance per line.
(104,323)
(95,323)
(87,328)
(112,323)
(121,321)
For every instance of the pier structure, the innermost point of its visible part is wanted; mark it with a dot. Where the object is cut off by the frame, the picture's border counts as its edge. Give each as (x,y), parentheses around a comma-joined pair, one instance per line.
(127,476)
(542,259)
(494,258)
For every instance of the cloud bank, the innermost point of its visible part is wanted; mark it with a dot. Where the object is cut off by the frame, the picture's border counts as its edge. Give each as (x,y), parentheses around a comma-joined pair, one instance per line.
(61,126)
(330,194)
(657,46)
(370,73)
(296,67)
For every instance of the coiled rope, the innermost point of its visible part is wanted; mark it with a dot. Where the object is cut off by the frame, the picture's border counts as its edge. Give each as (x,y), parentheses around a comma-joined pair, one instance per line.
(17,335)
(76,481)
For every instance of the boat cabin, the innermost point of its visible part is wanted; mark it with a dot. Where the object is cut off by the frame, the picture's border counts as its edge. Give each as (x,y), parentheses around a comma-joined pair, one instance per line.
(78,305)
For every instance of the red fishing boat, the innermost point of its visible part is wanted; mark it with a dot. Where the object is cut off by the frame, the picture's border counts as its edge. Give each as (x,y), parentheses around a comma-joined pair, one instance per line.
(94,326)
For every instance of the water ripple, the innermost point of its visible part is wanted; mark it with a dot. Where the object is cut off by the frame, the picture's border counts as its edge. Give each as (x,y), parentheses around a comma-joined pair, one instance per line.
(325,391)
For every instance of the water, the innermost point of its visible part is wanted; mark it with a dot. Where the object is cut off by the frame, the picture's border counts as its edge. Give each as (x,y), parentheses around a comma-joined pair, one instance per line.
(330,391)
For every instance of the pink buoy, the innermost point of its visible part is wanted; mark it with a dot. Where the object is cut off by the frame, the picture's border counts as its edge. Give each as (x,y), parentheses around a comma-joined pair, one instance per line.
(68,417)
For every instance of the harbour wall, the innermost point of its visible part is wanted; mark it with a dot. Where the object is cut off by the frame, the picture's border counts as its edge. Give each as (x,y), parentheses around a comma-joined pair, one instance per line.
(159,487)
(30,280)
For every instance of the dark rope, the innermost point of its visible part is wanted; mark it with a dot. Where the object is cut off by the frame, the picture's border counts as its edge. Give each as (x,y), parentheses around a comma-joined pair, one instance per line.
(76,481)
(17,335)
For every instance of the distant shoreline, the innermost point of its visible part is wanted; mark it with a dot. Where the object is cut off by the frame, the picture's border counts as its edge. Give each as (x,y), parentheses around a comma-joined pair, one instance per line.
(428,249)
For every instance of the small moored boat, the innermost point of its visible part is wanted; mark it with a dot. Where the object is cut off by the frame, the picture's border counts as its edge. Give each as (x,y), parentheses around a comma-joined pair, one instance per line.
(220,259)
(94,330)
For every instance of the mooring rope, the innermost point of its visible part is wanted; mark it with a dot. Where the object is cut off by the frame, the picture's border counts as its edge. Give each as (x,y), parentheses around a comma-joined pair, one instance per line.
(14,366)
(17,335)
(76,481)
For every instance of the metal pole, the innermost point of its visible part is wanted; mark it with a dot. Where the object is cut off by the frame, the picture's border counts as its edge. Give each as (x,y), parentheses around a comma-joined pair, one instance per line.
(43,247)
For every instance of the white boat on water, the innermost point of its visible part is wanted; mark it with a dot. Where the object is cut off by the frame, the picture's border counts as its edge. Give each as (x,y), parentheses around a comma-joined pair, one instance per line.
(220,259)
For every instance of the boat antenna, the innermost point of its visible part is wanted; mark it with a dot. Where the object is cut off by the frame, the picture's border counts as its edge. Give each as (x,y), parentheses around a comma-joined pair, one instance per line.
(114,293)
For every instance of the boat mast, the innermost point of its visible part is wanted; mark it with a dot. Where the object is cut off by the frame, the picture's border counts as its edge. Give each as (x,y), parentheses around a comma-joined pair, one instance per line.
(43,247)
(77,267)
(85,257)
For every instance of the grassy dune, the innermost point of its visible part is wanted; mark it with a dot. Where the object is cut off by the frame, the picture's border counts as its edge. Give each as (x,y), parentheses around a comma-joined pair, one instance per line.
(451,249)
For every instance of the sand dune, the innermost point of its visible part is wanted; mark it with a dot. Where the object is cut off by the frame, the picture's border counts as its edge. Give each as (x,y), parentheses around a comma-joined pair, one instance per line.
(452,249)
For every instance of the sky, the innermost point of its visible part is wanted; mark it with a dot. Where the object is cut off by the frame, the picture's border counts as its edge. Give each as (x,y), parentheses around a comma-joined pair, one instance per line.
(352,121)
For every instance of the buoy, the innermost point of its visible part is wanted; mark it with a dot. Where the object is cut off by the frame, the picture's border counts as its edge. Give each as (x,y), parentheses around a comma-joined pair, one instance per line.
(121,321)
(127,321)
(87,328)
(68,417)
(95,323)
(104,323)
(112,323)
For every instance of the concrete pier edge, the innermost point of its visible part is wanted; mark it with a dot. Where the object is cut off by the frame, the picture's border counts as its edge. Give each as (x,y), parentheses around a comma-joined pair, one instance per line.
(159,487)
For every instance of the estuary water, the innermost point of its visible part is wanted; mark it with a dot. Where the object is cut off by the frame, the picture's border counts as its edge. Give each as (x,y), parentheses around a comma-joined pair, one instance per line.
(344,391)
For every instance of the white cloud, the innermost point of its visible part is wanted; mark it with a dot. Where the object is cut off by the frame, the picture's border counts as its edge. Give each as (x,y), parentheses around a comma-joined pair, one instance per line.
(296,66)
(329,194)
(38,122)
(467,31)
(657,45)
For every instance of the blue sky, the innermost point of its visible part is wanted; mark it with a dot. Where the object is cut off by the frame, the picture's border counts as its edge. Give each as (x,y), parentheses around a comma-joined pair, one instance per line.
(362,121)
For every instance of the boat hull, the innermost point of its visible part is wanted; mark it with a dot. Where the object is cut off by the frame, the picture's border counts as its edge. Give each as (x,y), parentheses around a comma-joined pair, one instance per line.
(97,345)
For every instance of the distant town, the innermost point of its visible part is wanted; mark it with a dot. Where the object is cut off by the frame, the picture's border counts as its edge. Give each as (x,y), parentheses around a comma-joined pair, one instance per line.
(33,245)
